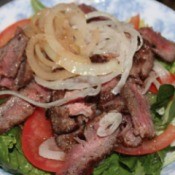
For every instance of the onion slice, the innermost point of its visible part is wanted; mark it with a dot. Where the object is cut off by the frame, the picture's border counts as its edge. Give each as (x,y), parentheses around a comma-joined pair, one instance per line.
(109,123)
(49,150)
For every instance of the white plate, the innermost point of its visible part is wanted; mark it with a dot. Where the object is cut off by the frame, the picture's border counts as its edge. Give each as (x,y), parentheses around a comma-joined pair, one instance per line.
(160,17)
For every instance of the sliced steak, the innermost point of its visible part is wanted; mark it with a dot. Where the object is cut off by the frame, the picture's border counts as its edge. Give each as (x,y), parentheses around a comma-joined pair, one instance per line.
(107,100)
(86,154)
(143,62)
(67,141)
(86,8)
(15,110)
(164,48)
(24,75)
(139,110)
(68,120)
(11,55)
(127,136)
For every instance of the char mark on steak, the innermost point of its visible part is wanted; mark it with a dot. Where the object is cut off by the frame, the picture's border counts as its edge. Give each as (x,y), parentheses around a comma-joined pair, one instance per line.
(15,73)
(15,110)
(108,101)
(11,55)
(139,109)
(86,8)
(162,47)
(143,62)
(68,120)
(127,136)
(84,155)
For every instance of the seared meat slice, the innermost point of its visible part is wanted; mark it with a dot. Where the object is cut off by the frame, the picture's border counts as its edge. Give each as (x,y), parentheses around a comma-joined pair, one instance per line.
(86,8)
(86,154)
(107,100)
(7,83)
(68,120)
(11,55)
(139,110)
(126,135)
(61,122)
(164,48)
(15,110)
(143,62)
(15,73)
(66,141)
(24,75)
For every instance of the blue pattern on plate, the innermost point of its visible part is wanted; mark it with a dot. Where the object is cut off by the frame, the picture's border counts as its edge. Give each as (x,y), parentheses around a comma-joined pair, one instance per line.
(160,17)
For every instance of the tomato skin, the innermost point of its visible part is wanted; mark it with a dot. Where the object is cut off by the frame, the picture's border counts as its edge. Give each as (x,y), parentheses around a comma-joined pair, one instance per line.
(151,146)
(37,129)
(9,32)
(135,21)
(168,79)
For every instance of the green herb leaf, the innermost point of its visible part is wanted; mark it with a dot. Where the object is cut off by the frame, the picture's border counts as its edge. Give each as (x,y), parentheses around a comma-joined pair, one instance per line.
(37,5)
(165,92)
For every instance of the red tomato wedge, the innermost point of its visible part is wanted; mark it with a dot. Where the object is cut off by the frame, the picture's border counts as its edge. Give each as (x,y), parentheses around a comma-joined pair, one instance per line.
(151,146)
(37,129)
(135,21)
(168,79)
(9,32)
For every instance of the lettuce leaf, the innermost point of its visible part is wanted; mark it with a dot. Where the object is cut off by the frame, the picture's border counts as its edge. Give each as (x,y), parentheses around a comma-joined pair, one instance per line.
(117,164)
(11,155)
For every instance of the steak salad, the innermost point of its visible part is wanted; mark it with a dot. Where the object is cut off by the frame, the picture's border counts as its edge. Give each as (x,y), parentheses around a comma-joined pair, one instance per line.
(83,93)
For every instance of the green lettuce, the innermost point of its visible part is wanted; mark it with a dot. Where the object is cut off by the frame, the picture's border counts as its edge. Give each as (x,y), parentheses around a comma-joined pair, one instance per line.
(117,164)
(37,5)
(11,155)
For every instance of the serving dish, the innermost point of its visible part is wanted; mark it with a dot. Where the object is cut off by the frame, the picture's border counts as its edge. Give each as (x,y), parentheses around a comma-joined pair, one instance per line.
(162,20)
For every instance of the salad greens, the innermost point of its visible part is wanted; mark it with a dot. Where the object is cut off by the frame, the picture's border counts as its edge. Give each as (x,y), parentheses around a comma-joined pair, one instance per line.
(163,109)
(118,164)
(37,5)
(11,155)
(163,112)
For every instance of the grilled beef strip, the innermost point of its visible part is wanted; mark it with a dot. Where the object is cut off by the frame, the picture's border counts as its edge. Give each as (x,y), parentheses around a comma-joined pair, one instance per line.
(65,125)
(86,8)
(108,101)
(24,75)
(139,109)
(142,62)
(127,136)
(87,153)
(15,73)
(15,110)
(11,55)
(161,46)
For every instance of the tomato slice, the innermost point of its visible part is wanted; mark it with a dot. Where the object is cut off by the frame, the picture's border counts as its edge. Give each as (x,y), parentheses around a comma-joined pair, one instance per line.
(9,32)
(135,21)
(37,129)
(168,79)
(151,146)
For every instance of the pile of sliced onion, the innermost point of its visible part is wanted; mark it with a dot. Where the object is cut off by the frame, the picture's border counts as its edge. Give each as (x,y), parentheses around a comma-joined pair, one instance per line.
(63,41)
(109,124)
(48,149)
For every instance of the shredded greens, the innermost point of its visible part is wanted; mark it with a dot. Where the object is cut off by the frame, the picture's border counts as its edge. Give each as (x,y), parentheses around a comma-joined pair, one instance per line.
(117,164)
(163,109)
(11,155)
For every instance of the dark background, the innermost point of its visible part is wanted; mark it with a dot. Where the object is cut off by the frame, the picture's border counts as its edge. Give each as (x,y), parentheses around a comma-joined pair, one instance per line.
(170,3)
